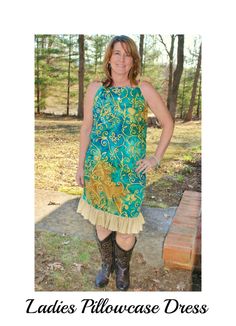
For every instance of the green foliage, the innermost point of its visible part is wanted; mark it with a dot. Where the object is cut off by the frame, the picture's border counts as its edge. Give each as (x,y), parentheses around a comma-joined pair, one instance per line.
(179,178)
(51,69)
(187,169)
(188,157)
(196,149)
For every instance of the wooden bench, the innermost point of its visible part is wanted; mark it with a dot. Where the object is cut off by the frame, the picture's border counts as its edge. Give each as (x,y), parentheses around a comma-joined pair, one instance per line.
(182,245)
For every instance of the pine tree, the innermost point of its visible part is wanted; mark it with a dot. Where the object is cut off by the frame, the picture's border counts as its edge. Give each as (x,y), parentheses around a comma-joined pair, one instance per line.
(194,89)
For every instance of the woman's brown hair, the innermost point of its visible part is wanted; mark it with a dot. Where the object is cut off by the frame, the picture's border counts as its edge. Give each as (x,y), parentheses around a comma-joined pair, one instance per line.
(132,50)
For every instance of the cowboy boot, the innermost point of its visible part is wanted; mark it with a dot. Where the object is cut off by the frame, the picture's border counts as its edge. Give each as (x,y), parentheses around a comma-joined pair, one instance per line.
(122,264)
(106,250)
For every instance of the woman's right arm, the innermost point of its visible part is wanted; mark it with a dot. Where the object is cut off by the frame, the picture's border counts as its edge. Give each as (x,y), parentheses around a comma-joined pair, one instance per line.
(86,130)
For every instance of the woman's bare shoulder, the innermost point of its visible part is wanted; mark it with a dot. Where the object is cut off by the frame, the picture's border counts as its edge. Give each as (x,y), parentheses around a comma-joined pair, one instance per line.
(146,85)
(93,87)
(147,89)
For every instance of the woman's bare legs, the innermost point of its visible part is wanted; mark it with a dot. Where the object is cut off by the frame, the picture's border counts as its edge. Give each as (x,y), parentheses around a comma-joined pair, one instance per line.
(125,241)
(102,233)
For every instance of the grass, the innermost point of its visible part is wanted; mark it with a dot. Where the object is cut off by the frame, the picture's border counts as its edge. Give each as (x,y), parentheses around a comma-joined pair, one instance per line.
(63,262)
(57,151)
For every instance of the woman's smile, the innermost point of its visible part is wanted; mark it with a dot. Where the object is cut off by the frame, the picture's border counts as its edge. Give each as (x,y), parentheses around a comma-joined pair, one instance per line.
(120,59)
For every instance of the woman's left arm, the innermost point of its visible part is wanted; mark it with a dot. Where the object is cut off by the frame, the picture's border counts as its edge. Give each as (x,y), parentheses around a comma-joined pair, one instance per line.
(160,110)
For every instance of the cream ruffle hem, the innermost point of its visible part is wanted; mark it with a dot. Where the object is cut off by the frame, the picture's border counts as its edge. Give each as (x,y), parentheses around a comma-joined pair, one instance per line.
(110,221)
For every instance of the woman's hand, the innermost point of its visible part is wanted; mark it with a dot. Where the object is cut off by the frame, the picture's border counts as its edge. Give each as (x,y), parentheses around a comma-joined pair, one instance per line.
(80,177)
(147,164)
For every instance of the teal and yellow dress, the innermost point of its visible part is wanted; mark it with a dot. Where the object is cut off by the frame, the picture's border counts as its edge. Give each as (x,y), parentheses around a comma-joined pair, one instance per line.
(113,191)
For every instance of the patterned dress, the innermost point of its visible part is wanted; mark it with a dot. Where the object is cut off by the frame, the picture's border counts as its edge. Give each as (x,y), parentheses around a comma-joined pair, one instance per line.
(113,191)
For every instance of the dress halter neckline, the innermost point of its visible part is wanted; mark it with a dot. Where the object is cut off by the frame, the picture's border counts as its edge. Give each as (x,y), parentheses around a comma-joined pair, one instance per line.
(124,87)
(127,86)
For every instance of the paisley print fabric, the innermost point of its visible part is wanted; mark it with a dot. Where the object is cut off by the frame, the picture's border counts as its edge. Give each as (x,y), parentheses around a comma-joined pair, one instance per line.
(117,142)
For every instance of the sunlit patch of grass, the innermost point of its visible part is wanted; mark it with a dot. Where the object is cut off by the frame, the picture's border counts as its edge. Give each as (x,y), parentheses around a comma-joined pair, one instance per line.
(162,205)
(188,157)
(197,149)
(71,190)
(156,204)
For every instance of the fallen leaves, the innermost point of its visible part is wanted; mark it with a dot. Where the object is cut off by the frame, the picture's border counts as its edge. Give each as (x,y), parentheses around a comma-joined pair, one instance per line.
(78,267)
(53,203)
(56,266)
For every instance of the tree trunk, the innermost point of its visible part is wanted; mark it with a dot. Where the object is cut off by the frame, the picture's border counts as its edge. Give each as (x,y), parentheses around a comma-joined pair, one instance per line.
(51,40)
(170,80)
(96,55)
(144,56)
(141,51)
(177,76)
(194,90)
(37,76)
(68,80)
(199,98)
(81,77)
(43,85)
(183,95)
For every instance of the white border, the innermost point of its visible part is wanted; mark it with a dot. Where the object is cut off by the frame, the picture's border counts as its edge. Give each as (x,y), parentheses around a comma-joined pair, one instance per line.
(24,19)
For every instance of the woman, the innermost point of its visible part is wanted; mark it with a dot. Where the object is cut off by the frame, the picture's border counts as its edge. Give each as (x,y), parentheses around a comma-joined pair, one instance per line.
(112,163)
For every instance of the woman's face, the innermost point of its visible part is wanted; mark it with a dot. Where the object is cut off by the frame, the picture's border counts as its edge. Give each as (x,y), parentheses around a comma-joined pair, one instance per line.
(121,61)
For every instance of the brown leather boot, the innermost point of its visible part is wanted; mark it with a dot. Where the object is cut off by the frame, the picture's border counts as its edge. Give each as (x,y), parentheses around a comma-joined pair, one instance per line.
(122,261)
(106,250)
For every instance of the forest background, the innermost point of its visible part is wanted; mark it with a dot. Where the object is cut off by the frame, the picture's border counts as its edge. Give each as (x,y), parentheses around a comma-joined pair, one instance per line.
(65,64)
